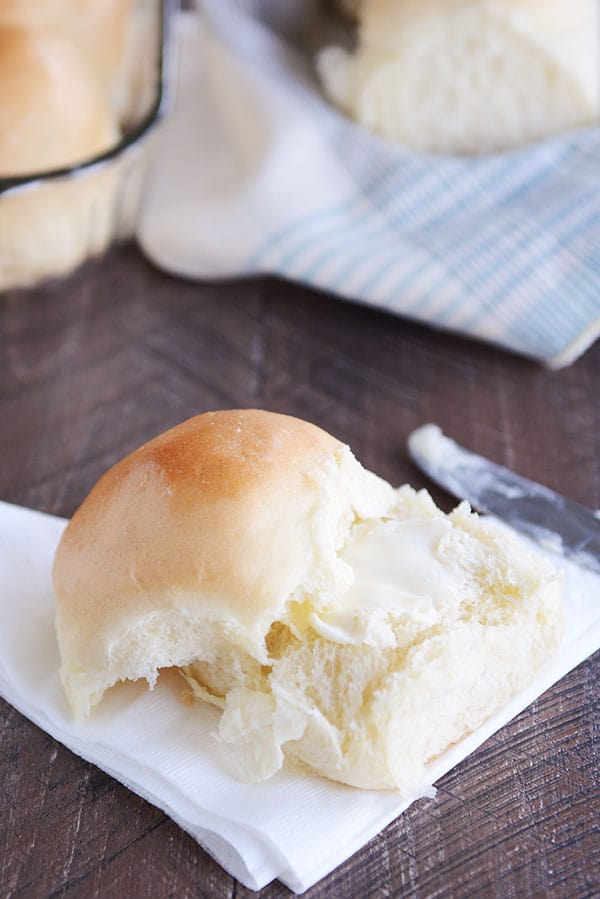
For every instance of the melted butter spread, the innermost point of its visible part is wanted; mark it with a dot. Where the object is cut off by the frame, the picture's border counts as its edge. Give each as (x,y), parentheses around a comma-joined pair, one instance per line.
(400,568)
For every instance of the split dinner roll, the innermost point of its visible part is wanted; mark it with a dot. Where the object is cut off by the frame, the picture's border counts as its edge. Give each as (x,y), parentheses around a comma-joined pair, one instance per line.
(350,627)
(470,76)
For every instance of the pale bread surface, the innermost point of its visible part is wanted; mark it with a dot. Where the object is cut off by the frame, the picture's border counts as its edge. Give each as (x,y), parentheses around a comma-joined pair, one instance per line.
(470,76)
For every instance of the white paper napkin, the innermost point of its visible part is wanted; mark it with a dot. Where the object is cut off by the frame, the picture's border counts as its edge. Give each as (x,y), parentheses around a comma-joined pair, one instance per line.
(257,173)
(163,750)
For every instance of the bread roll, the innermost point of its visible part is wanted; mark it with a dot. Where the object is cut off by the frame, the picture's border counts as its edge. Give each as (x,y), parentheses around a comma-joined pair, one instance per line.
(53,114)
(350,627)
(101,29)
(50,230)
(470,76)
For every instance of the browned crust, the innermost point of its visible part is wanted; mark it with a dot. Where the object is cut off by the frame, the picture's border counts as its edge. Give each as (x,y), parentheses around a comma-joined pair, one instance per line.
(53,110)
(200,510)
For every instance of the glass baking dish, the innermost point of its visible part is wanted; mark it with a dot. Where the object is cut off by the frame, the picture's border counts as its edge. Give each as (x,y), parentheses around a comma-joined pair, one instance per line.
(53,221)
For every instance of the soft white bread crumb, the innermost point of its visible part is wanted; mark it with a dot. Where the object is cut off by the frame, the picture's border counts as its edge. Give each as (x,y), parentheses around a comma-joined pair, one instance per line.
(470,76)
(334,620)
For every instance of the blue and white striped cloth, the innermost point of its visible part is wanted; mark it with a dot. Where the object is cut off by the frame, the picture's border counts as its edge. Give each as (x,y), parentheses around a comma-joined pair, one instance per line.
(256,172)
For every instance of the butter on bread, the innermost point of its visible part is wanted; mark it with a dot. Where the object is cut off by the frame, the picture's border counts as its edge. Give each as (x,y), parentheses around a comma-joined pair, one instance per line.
(333,620)
(469,76)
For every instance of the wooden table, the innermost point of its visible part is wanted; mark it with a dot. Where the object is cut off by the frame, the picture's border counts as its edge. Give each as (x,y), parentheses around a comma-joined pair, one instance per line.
(92,366)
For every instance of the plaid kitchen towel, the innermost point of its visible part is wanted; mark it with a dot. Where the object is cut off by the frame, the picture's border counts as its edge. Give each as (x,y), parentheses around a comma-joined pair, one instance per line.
(256,173)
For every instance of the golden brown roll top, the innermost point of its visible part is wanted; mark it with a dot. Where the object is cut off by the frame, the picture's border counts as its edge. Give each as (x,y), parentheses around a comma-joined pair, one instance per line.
(53,111)
(332,619)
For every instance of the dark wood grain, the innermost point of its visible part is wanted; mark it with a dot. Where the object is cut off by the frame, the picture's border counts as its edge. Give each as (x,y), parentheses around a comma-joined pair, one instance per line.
(92,366)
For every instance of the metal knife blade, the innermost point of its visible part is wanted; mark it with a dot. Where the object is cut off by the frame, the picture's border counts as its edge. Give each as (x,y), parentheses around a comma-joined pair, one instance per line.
(557,523)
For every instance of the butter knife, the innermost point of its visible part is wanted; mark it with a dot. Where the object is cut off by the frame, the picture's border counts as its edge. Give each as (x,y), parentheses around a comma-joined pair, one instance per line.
(555,522)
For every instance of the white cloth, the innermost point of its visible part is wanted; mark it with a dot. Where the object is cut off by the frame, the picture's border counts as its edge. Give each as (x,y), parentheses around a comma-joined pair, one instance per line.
(295,827)
(256,173)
